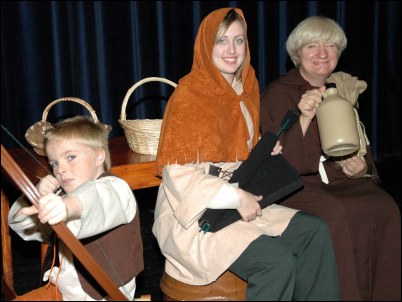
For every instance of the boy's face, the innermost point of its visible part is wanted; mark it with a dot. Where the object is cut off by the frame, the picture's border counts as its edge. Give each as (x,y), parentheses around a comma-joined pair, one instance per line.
(73,163)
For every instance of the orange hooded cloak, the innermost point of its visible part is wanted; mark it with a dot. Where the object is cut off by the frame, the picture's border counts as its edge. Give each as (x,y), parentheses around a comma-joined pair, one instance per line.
(203,121)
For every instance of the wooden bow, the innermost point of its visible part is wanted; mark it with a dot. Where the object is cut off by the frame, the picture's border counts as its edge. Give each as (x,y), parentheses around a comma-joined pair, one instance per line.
(25,185)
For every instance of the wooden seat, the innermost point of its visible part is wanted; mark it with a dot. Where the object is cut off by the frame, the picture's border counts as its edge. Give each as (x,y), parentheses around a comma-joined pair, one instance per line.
(228,287)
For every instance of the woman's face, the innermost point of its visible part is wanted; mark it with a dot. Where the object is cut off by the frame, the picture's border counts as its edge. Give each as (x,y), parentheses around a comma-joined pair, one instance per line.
(229,51)
(318,59)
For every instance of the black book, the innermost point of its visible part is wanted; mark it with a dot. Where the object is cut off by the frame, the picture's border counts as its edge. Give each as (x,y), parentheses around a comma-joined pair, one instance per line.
(261,174)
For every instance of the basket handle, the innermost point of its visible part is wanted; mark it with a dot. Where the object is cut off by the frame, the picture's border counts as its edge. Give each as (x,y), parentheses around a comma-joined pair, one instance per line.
(72,99)
(135,86)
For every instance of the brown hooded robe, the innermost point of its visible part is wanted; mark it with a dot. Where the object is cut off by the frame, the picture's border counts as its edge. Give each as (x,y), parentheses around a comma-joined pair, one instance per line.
(364,220)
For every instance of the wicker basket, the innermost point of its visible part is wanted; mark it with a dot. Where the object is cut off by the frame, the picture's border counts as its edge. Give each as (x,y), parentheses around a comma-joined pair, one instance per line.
(35,134)
(142,135)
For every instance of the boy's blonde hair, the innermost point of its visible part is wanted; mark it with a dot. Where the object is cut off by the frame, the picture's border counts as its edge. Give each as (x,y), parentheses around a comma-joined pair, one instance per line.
(311,30)
(83,130)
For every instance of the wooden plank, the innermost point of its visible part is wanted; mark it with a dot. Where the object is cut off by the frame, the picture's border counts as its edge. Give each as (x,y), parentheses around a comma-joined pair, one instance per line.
(138,176)
(7,276)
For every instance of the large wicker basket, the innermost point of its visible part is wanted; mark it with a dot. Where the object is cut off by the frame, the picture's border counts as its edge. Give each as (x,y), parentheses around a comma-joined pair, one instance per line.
(142,134)
(35,134)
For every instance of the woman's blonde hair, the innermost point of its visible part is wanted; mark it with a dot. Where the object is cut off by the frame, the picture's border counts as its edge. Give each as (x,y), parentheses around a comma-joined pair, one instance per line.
(231,17)
(82,130)
(311,30)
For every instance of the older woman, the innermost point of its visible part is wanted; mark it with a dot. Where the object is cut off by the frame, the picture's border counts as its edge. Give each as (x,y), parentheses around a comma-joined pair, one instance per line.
(364,220)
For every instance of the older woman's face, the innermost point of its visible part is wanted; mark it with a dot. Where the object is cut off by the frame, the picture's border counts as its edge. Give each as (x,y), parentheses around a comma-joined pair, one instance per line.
(318,59)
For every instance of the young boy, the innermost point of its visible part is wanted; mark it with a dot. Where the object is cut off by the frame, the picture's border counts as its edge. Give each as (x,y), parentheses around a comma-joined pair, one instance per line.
(99,209)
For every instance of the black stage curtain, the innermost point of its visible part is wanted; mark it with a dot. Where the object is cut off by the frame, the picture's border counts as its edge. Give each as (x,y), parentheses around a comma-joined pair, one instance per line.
(96,50)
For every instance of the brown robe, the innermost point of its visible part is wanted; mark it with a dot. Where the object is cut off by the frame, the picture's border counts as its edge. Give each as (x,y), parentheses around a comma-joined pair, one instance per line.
(364,220)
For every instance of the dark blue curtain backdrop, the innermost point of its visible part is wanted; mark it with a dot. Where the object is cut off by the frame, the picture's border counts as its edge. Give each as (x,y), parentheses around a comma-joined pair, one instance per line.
(97,50)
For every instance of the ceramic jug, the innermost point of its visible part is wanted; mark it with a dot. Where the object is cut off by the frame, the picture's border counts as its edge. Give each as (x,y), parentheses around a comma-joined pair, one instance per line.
(337,124)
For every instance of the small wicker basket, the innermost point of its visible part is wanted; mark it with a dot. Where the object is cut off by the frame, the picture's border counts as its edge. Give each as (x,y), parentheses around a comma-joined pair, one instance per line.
(35,134)
(142,135)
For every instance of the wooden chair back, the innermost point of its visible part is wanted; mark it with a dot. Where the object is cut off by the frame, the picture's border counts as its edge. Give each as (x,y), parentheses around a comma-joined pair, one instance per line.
(7,274)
